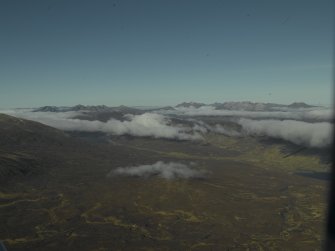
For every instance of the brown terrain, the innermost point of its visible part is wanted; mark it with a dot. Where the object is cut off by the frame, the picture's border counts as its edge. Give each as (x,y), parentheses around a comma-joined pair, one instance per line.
(55,193)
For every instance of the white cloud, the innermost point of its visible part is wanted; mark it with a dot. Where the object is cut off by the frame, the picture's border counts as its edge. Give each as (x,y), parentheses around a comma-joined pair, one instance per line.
(160,126)
(147,124)
(202,127)
(298,132)
(171,170)
(315,114)
(225,131)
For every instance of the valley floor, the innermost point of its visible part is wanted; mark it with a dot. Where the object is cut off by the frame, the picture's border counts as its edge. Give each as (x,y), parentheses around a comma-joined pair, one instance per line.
(252,199)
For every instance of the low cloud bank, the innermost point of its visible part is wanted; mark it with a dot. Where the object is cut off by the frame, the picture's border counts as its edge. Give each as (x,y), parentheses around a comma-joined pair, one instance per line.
(298,132)
(202,127)
(225,131)
(317,114)
(170,170)
(159,126)
(145,125)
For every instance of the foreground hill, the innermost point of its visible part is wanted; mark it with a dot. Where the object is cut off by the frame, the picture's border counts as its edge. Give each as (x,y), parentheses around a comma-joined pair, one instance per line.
(18,133)
(23,145)
(30,147)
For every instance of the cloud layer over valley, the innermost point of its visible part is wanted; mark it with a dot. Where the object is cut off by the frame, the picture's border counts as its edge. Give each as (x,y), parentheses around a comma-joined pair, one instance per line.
(310,127)
(144,125)
(298,132)
(316,114)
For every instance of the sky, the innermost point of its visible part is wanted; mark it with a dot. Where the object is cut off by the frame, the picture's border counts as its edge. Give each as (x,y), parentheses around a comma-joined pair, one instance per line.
(163,52)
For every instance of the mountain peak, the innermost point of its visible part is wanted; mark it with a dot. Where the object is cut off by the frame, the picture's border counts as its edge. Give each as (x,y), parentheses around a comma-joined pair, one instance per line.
(190,104)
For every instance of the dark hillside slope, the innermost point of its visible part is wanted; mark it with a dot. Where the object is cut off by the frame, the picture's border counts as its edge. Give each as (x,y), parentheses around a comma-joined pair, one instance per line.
(17,133)
(24,146)
(28,147)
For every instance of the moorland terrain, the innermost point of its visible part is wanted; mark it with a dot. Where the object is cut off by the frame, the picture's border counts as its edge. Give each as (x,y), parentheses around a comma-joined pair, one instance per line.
(56,192)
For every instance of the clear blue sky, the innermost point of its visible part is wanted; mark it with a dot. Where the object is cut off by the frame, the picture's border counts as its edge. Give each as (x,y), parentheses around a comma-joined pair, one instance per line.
(162,52)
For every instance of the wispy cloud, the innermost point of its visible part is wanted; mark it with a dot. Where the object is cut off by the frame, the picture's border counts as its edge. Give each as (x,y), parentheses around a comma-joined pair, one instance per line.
(147,125)
(298,132)
(316,134)
(316,114)
(202,127)
(170,170)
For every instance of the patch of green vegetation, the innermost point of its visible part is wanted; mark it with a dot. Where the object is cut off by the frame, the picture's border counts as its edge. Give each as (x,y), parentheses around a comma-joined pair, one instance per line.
(250,150)
(272,157)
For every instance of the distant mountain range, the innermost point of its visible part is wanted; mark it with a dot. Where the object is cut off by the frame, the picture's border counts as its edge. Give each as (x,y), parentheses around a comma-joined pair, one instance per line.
(191,104)
(101,108)
(246,106)
(73,108)
(103,112)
